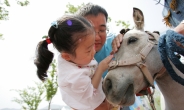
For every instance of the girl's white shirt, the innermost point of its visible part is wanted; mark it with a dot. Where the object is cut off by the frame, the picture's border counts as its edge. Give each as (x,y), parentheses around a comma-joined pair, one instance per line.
(75,85)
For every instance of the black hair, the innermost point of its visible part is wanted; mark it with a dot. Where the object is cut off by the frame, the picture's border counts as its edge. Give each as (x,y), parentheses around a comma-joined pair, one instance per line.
(92,9)
(156,32)
(64,36)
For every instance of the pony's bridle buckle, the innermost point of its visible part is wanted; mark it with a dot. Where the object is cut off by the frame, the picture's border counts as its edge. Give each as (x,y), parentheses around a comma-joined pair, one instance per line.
(113,64)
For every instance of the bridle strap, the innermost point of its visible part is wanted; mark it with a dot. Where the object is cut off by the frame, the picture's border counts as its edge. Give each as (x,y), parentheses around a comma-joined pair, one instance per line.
(146,90)
(137,60)
(160,73)
(147,74)
(145,51)
(133,60)
(130,61)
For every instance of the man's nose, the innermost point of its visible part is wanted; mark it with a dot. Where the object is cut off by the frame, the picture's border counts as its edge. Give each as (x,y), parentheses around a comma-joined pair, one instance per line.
(97,36)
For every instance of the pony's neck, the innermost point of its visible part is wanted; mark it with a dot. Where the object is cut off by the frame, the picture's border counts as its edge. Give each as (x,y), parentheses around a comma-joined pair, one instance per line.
(172,92)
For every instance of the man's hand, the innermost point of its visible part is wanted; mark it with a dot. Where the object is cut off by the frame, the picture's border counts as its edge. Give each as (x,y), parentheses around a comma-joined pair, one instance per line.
(116,43)
(118,40)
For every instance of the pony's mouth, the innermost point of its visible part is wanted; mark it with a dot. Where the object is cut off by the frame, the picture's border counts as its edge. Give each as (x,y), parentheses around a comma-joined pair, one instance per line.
(126,99)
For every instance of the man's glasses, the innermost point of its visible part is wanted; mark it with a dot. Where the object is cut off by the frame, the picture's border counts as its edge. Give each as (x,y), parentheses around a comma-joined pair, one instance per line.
(102,32)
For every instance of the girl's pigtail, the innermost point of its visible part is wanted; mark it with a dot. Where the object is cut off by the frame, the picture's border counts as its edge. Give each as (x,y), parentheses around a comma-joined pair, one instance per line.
(43,59)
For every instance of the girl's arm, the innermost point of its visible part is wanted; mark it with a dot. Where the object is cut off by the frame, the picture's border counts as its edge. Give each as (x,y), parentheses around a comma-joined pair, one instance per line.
(102,67)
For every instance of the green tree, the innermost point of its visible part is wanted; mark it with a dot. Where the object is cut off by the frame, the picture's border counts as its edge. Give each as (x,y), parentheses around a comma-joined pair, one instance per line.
(71,9)
(30,97)
(1,37)
(123,24)
(51,85)
(109,20)
(4,13)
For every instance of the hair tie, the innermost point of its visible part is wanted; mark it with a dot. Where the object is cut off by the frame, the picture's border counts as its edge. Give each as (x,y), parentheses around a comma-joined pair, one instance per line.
(69,22)
(54,24)
(47,39)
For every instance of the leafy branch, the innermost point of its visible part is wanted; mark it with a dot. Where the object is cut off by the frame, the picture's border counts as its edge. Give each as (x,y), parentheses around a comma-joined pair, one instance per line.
(51,85)
(30,97)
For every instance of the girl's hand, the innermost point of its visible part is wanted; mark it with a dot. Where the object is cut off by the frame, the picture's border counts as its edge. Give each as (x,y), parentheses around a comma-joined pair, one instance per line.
(103,65)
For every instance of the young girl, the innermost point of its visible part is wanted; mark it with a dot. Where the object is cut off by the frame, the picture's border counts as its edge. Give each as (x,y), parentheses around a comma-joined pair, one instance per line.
(79,77)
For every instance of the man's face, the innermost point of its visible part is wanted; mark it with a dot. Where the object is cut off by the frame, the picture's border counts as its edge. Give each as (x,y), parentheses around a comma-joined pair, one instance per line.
(99,23)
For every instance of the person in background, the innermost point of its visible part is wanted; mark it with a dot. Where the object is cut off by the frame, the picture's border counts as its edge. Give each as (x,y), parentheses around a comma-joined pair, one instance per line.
(173,14)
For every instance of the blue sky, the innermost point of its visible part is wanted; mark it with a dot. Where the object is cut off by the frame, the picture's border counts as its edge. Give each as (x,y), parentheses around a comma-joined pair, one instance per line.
(27,25)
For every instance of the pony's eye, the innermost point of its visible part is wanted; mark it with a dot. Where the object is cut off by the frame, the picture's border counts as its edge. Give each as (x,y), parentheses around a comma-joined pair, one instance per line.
(132,40)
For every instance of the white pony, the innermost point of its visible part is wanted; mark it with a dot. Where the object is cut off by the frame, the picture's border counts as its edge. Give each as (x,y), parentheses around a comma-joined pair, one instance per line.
(136,66)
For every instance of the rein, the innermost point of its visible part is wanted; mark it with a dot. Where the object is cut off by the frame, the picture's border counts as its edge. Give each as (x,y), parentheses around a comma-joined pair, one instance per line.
(139,61)
(167,47)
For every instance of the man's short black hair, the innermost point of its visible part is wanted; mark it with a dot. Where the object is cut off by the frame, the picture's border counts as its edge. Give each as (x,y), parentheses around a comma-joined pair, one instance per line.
(92,9)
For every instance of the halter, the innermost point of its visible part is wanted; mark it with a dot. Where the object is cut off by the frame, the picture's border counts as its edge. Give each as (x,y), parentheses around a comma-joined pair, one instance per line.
(139,61)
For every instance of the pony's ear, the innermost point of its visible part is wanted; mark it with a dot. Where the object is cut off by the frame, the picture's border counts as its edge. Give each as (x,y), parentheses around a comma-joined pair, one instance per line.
(123,31)
(138,19)
(153,36)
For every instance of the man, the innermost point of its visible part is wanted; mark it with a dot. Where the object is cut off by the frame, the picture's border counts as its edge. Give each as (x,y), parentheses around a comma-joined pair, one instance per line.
(98,16)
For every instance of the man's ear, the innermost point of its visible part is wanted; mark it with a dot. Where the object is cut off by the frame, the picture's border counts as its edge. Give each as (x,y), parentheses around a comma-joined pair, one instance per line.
(66,56)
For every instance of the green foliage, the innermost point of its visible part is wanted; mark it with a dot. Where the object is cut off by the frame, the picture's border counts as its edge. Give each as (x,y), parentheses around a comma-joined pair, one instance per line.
(109,20)
(123,24)
(51,85)
(1,37)
(6,2)
(30,97)
(72,9)
(4,13)
(24,3)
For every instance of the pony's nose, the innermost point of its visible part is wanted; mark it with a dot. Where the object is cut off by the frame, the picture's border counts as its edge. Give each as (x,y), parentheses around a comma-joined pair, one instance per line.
(107,86)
